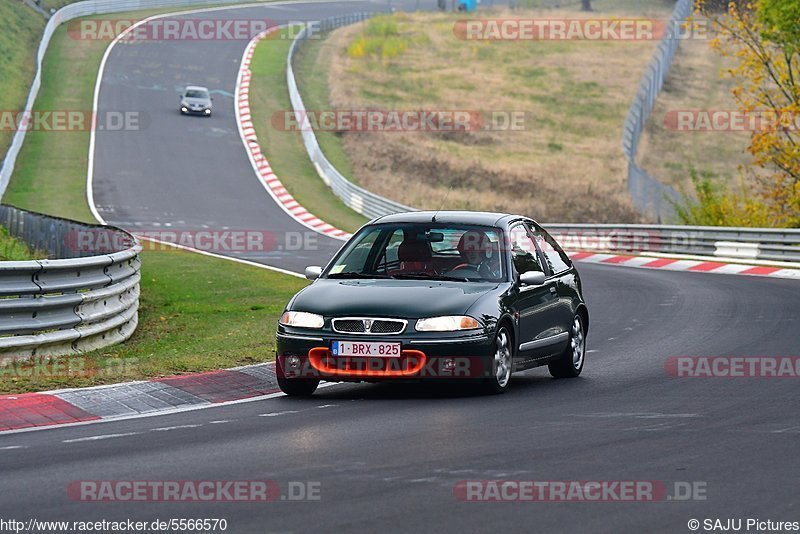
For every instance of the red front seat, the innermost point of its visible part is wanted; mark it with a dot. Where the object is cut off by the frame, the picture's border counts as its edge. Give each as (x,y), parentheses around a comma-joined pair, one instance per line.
(415,257)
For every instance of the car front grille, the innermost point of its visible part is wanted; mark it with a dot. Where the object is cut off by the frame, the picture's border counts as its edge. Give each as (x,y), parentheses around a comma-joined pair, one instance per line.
(366,325)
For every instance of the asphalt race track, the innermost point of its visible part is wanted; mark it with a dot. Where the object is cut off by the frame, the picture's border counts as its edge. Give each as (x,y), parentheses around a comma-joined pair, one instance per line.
(192,173)
(387,457)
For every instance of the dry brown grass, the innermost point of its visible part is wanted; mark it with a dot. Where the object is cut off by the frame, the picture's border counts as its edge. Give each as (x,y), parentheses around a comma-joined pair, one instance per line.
(566,164)
(694,82)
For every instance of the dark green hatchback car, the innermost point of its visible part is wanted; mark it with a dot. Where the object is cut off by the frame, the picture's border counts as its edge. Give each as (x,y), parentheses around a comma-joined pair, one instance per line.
(436,295)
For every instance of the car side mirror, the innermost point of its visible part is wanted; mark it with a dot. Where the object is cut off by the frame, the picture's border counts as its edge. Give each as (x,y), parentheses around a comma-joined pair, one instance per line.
(313,272)
(532,278)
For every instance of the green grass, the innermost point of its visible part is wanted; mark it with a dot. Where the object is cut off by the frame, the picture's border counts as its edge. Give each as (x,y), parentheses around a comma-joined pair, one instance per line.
(12,249)
(284,149)
(56,4)
(196,313)
(20,31)
(310,71)
(55,161)
(379,39)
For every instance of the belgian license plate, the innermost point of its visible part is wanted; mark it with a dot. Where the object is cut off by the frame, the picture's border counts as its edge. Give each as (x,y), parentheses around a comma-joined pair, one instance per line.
(366,349)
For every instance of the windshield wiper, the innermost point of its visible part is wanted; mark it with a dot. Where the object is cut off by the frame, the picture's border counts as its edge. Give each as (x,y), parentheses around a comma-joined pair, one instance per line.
(354,274)
(420,276)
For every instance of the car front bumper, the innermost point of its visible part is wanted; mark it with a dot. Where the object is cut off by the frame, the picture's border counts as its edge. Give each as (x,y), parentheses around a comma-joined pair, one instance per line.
(190,111)
(451,357)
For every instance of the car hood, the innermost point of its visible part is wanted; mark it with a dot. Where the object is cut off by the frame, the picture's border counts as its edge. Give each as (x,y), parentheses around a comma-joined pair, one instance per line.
(389,298)
(197,101)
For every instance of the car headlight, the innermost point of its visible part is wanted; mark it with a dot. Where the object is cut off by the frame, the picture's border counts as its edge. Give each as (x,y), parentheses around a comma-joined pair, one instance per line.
(302,319)
(447,323)
(184,109)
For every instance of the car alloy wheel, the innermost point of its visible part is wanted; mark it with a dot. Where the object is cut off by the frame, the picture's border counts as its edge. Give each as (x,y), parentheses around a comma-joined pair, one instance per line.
(576,342)
(502,358)
(502,362)
(570,363)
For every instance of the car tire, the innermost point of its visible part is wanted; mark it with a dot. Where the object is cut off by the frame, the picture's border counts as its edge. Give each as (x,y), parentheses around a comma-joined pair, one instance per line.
(295,387)
(502,362)
(570,363)
(298,387)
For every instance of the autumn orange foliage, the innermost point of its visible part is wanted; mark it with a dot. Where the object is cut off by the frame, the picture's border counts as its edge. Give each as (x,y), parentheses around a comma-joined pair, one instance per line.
(762,38)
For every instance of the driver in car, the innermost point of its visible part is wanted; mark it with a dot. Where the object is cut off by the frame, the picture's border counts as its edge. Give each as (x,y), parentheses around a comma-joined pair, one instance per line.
(479,255)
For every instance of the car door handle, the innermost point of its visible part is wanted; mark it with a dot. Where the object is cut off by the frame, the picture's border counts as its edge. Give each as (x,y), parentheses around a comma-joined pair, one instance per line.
(553,290)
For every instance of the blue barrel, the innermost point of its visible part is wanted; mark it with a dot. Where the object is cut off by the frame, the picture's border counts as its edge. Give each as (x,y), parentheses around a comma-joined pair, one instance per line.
(467,5)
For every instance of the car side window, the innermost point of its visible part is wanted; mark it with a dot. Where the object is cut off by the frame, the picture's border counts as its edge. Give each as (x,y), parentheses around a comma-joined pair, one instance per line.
(557,259)
(358,256)
(523,251)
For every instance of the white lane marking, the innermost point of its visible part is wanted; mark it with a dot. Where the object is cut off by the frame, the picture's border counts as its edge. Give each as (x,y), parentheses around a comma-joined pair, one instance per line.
(10,447)
(276,8)
(220,422)
(102,436)
(220,256)
(656,427)
(590,351)
(176,427)
(276,414)
(791,430)
(327,406)
(169,411)
(637,415)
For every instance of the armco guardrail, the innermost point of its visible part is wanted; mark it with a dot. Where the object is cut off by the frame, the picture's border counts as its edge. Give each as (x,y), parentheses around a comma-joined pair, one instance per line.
(84,296)
(357,198)
(74,11)
(648,194)
(744,243)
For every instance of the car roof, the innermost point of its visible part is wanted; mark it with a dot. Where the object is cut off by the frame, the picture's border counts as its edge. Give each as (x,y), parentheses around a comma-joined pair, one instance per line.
(484,218)
(196,88)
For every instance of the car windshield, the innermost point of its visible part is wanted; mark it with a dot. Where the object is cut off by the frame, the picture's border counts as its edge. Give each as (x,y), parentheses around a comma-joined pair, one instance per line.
(196,93)
(424,252)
